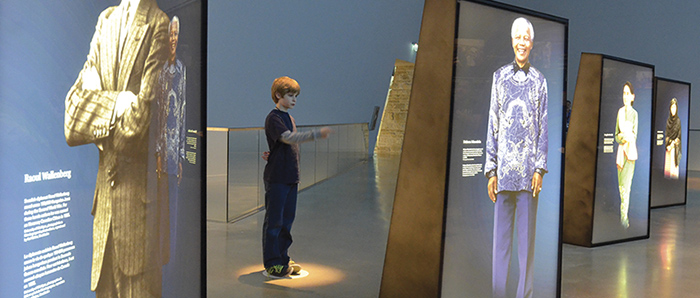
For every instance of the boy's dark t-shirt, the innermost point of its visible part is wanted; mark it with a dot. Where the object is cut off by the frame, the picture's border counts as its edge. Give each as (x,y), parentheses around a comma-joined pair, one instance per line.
(283,162)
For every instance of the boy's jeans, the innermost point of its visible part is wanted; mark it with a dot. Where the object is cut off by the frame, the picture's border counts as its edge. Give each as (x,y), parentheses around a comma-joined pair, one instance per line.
(280,208)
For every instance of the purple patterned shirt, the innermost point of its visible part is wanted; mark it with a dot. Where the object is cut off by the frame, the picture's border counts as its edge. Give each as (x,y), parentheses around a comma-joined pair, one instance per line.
(516,141)
(171,115)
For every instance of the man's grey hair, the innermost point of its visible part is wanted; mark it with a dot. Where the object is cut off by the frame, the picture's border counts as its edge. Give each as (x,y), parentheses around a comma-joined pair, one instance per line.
(522,21)
(175,20)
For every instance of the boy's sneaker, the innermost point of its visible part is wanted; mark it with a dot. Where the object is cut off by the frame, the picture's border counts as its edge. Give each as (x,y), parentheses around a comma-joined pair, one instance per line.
(278,271)
(295,267)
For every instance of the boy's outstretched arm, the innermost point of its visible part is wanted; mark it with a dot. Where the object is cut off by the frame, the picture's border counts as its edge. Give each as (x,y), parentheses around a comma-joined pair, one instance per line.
(306,136)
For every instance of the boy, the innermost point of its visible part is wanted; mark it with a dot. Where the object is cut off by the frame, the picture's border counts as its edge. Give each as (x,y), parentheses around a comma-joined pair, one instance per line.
(281,177)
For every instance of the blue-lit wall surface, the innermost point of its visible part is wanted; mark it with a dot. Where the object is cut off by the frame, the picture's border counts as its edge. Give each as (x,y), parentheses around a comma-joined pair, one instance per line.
(342,53)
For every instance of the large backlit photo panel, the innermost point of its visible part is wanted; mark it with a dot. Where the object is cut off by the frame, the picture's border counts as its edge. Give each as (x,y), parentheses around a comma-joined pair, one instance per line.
(621,200)
(670,143)
(507,120)
(101,161)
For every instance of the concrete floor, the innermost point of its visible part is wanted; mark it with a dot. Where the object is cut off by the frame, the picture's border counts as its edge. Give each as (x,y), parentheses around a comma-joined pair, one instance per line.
(340,238)
(665,265)
(340,235)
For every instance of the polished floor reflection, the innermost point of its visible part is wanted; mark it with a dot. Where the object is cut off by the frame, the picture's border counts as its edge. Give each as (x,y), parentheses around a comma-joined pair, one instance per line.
(340,235)
(665,265)
(341,230)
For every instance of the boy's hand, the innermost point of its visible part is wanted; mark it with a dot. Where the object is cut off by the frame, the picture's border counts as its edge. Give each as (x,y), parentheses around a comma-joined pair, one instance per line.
(325,131)
(266,155)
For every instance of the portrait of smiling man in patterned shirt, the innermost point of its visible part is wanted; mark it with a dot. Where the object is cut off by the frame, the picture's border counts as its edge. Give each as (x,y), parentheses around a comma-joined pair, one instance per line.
(516,159)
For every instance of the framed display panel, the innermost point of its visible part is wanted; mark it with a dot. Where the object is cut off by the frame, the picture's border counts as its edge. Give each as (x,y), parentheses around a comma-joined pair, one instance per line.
(607,201)
(412,266)
(418,225)
(87,90)
(669,161)
(507,122)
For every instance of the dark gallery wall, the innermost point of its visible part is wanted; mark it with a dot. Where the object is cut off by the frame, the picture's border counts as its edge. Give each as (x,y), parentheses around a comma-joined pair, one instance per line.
(341,52)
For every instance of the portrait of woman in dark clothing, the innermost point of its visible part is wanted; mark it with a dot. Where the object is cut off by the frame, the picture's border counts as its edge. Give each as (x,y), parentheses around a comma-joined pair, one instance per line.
(673,142)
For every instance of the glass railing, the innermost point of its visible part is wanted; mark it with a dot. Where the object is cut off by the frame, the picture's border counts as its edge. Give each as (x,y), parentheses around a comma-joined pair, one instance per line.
(235,187)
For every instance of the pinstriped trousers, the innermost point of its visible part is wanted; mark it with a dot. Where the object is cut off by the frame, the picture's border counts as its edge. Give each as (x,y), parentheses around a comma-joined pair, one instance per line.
(115,284)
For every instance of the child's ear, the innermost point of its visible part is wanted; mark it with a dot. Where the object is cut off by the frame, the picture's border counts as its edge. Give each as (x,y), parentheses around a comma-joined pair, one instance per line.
(277,94)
